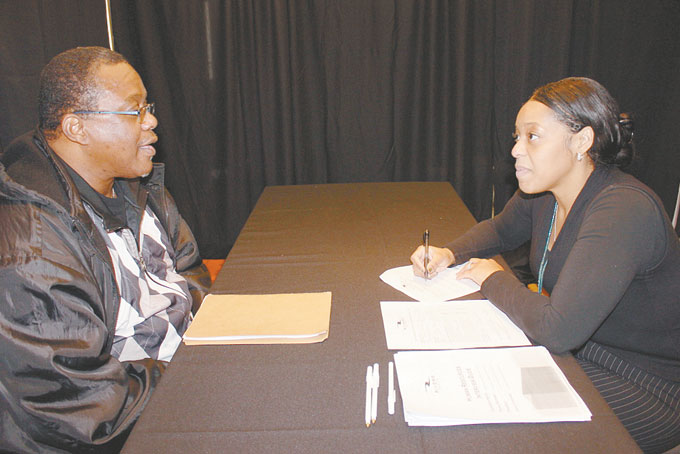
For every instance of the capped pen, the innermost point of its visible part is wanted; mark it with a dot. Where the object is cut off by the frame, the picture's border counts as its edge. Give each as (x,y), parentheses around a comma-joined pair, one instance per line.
(374,397)
(369,394)
(391,391)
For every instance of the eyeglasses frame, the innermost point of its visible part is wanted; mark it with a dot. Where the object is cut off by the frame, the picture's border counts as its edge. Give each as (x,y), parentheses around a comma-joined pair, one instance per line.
(146,108)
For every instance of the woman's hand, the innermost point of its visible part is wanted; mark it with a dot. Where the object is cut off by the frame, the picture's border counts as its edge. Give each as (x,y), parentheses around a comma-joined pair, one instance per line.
(439,260)
(479,270)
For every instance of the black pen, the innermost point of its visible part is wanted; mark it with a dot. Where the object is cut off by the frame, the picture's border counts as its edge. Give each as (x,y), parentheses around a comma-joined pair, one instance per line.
(426,245)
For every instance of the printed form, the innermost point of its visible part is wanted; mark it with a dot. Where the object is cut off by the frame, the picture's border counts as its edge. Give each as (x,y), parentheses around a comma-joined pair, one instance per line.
(414,325)
(480,386)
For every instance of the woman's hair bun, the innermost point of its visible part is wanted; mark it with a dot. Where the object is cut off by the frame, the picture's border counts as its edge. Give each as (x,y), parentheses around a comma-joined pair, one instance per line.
(627,126)
(626,130)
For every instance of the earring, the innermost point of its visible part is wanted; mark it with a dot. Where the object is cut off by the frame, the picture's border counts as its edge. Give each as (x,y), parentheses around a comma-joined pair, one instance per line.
(579,156)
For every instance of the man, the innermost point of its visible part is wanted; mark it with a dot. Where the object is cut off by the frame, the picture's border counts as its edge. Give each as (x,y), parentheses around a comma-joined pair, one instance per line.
(98,271)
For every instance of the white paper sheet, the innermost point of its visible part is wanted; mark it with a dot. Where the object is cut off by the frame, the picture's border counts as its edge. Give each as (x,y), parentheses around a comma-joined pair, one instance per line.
(505,385)
(416,325)
(444,286)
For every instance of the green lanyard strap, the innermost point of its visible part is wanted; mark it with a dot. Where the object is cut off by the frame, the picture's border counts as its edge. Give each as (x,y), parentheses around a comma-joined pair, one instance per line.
(544,260)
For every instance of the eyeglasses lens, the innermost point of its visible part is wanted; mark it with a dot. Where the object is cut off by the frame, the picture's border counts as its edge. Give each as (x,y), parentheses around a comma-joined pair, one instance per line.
(148,108)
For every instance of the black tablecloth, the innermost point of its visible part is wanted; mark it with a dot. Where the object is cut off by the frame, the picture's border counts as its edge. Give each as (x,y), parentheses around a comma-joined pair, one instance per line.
(310,398)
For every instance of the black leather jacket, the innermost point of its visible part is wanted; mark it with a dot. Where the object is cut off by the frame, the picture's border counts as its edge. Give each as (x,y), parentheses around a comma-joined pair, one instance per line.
(60,389)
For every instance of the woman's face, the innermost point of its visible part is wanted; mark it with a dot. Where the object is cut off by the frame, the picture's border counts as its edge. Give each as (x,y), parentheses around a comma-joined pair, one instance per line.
(544,159)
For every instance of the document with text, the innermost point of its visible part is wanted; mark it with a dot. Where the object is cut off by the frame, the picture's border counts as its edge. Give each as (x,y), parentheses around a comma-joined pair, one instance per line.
(444,286)
(423,325)
(482,386)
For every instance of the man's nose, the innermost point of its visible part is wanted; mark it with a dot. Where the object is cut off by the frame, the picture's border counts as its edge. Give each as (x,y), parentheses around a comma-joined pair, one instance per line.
(150,121)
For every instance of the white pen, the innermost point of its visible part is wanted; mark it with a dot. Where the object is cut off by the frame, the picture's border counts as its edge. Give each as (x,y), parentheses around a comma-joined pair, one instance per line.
(391,392)
(374,398)
(369,389)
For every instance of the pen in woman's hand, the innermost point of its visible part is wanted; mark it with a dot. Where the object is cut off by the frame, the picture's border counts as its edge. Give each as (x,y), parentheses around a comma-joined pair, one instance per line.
(426,258)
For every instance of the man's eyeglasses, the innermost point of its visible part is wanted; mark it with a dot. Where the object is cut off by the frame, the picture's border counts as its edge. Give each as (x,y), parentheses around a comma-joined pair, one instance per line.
(150,108)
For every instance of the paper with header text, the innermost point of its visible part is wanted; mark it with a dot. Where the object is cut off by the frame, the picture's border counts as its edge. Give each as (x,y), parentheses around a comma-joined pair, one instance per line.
(482,386)
(424,325)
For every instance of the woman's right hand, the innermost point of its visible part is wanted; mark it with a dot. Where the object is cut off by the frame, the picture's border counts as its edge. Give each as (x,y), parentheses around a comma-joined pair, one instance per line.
(439,259)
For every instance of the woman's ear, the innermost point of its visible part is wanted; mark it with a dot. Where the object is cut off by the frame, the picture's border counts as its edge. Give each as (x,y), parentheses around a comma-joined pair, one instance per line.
(583,140)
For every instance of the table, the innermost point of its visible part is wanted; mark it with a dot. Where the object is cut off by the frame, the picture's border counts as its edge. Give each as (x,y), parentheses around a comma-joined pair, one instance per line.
(310,398)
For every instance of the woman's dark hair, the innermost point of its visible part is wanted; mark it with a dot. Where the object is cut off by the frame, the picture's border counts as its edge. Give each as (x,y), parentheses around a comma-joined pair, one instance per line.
(579,102)
(68,83)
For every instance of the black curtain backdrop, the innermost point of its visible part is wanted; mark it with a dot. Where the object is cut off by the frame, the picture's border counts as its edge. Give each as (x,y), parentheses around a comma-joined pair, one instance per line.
(257,93)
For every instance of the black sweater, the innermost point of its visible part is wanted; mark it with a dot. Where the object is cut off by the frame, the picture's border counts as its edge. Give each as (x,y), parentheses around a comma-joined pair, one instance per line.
(613,273)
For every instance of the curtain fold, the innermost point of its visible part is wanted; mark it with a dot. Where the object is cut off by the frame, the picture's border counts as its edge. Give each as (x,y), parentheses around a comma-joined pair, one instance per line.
(31,33)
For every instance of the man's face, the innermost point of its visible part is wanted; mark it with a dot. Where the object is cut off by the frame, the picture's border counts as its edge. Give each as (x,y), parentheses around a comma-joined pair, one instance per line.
(120,146)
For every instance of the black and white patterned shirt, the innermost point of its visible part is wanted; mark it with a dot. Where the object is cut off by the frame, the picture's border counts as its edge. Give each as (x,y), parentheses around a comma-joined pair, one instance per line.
(155,301)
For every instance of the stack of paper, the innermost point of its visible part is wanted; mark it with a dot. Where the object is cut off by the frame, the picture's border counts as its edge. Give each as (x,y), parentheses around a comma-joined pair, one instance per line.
(506,385)
(478,383)
(261,319)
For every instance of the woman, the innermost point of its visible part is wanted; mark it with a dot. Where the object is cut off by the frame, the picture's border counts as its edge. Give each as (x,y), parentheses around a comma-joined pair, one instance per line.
(605,255)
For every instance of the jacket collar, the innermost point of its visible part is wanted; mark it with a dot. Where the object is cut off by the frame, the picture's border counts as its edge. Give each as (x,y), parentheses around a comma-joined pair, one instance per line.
(32,169)
(30,163)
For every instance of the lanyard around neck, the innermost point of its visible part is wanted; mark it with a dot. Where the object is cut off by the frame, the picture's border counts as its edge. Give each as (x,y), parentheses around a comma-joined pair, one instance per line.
(544,260)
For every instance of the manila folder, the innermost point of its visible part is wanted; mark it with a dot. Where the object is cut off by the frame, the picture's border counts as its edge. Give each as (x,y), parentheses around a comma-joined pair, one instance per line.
(285,318)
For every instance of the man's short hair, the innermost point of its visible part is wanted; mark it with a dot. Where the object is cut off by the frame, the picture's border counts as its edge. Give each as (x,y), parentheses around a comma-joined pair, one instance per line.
(67,84)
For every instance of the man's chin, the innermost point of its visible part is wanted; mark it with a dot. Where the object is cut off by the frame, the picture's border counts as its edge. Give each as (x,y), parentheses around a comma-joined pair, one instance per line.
(148,170)
(141,173)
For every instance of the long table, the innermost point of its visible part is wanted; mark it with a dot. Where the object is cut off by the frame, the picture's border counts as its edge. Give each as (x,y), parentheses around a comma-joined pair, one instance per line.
(310,398)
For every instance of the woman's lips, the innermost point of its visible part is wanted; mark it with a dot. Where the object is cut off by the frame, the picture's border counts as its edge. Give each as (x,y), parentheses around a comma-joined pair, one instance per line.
(521,171)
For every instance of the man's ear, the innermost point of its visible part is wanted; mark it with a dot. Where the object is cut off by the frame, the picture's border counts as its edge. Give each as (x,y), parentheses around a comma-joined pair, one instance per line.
(73,128)
(583,140)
